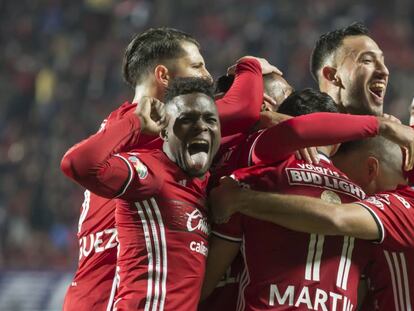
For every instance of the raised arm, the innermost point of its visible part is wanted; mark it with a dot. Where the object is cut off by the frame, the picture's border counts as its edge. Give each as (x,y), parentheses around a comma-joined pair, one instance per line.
(92,163)
(239,109)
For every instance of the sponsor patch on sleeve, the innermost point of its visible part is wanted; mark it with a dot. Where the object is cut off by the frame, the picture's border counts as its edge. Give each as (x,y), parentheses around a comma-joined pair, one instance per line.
(141,169)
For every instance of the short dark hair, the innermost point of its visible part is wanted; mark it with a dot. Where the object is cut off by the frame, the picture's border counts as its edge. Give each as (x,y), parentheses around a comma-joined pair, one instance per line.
(307,101)
(151,47)
(379,147)
(182,86)
(329,42)
(224,83)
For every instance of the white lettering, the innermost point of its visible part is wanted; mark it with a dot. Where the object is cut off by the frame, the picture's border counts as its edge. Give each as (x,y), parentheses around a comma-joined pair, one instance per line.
(320,298)
(304,298)
(274,291)
(87,252)
(402,200)
(313,298)
(113,242)
(317,179)
(99,242)
(201,222)
(306,176)
(295,176)
(199,247)
(335,298)
(326,179)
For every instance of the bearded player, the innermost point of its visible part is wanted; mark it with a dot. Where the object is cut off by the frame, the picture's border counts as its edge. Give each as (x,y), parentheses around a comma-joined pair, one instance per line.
(349,66)
(279,275)
(151,60)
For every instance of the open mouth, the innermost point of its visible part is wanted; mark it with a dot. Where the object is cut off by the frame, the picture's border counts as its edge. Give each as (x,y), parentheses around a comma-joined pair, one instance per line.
(198,151)
(198,146)
(378,90)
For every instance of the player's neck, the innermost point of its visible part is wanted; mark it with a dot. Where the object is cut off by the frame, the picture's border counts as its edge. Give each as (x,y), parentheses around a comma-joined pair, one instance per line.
(326,150)
(145,90)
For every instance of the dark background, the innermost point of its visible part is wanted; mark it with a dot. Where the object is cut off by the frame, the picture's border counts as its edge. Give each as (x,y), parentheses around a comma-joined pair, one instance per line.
(60,76)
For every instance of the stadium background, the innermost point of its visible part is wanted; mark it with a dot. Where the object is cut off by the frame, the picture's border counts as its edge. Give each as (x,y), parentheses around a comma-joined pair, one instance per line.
(60,76)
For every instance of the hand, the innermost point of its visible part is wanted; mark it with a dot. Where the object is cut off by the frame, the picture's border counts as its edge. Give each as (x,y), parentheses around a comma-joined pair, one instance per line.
(402,135)
(266,66)
(391,118)
(151,113)
(224,200)
(269,103)
(310,155)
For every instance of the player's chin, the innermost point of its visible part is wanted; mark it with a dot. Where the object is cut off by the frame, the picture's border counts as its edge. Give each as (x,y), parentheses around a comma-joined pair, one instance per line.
(197,171)
(376,105)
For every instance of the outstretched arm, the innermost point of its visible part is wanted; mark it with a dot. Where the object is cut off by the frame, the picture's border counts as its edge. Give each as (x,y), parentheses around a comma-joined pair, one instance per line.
(323,128)
(294,212)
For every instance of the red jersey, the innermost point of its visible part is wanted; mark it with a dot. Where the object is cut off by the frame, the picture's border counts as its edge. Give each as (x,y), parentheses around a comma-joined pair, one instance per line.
(292,270)
(290,135)
(391,277)
(160,217)
(162,231)
(93,285)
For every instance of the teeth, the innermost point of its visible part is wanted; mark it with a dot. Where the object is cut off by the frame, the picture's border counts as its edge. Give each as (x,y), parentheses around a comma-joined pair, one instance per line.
(378,85)
(199,141)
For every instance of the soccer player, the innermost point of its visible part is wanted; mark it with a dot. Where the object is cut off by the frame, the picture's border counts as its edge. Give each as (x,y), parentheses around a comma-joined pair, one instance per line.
(385,217)
(349,66)
(151,60)
(286,268)
(276,90)
(161,215)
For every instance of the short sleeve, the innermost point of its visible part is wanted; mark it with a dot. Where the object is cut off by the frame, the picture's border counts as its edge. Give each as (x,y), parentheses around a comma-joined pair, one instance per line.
(395,219)
(231,231)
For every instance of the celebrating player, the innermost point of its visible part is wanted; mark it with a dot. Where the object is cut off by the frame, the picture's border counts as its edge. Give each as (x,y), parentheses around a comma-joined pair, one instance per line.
(313,273)
(349,66)
(385,217)
(160,214)
(276,89)
(151,60)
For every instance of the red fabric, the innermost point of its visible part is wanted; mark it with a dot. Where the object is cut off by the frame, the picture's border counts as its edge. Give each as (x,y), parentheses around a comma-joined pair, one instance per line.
(392,273)
(85,163)
(315,129)
(162,238)
(96,268)
(239,109)
(162,230)
(284,267)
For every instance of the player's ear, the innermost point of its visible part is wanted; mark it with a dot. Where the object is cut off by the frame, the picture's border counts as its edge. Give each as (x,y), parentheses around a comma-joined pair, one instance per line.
(331,74)
(164,134)
(162,75)
(373,168)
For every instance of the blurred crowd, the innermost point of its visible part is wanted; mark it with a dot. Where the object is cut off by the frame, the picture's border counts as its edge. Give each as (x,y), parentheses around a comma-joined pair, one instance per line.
(60,76)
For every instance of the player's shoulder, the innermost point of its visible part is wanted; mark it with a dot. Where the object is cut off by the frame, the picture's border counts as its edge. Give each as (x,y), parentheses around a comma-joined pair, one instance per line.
(403,196)
(122,109)
(146,155)
(117,114)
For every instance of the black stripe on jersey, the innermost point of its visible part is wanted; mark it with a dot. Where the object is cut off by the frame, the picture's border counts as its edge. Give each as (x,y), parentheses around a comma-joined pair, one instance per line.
(130,175)
(378,222)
